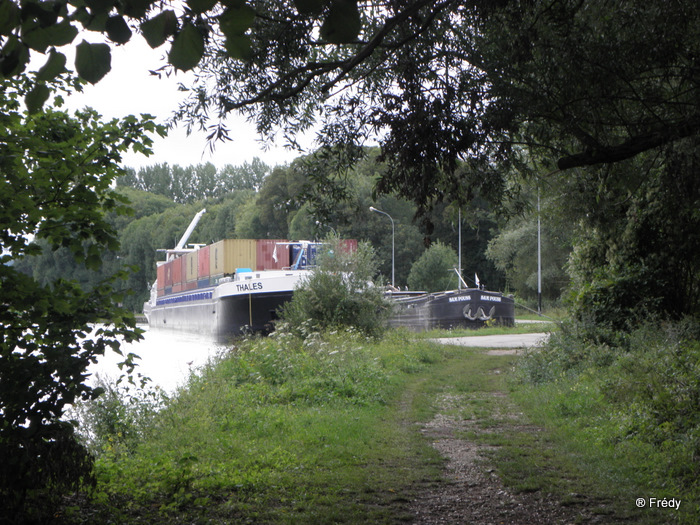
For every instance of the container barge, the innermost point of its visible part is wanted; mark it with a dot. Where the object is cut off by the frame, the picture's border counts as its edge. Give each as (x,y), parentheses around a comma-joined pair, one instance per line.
(228,288)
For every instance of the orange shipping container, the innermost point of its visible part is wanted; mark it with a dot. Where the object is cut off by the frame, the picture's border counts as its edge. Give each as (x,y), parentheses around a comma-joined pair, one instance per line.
(270,255)
(203,262)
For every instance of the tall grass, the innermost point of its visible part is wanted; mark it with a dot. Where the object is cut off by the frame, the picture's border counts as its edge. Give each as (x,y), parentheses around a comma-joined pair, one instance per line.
(280,429)
(631,409)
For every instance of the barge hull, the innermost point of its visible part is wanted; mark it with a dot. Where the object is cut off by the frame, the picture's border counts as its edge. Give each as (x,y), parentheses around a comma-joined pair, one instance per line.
(470,308)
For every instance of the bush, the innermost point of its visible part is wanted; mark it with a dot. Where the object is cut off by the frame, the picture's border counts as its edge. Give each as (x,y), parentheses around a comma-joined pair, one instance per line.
(639,392)
(339,293)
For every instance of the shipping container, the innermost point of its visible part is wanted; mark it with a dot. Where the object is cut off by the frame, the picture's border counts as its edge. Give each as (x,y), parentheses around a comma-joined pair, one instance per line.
(168,274)
(190,286)
(203,283)
(177,271)
(227,255)
(160,272)
(178,287)
(160,292)
(350,245)
(191,268)
(203,262)
(271,254)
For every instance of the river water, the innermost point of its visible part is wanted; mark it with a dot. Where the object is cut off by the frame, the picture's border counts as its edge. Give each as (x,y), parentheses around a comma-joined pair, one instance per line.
(166,357)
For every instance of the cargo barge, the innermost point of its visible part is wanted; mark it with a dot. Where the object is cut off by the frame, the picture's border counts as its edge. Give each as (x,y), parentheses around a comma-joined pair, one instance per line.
(228,288)
(464,308)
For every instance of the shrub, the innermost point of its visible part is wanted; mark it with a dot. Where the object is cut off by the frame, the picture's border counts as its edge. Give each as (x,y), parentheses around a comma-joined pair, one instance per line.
(339,293)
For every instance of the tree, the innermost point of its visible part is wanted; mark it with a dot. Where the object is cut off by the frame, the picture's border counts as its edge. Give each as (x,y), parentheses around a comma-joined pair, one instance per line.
(434,270)
(514,249)
(55,188)
(641,262)
(442,81)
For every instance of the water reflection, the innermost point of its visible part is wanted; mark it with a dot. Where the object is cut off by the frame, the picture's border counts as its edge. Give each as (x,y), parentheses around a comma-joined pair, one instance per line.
(167,357)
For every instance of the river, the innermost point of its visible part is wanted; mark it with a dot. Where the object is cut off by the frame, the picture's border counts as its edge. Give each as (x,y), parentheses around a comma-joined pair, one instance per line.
(166,357)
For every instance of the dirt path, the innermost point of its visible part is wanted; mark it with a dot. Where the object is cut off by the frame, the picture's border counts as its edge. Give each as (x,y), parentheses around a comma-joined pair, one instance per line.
(472,492)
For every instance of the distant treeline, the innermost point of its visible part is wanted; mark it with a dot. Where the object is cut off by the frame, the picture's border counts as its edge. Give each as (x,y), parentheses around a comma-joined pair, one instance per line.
(255,201)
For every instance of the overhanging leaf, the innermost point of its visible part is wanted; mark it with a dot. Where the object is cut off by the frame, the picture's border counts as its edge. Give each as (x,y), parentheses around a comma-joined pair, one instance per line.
(36,98)
(239,46)
(201,6)
(157,30)
(100,6)
(236,20)
(40,38)
(343,23)
(118,30)
(54,66)
(137,8)
(92,61)
(309,7)
(9,16)
(15,57)
(187,49)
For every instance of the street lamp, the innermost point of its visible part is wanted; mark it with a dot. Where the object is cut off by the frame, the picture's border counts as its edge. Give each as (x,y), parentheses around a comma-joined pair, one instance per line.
(375,210)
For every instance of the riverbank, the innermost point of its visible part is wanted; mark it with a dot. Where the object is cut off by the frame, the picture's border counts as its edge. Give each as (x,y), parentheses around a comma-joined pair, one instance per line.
(339,429)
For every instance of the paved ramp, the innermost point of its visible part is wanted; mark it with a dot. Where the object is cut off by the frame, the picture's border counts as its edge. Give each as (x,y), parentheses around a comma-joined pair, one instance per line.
(496,341)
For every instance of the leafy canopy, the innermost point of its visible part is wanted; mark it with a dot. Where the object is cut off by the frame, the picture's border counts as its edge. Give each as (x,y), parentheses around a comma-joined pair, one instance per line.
(434,270)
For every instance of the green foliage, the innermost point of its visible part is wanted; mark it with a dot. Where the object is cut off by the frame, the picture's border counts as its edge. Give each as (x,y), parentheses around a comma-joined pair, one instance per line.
(277,429)
(35,26)
(114,422)
(196,183)
(434,270)
(339,293)
(55,190)
(514,249)
(635,398)
(641,260)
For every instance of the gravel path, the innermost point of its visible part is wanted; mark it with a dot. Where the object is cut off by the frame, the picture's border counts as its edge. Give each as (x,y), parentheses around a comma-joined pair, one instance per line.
(471,492)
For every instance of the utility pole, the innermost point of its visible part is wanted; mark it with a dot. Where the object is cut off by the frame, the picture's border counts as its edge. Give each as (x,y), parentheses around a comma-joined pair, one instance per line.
(539,255)
(459,243)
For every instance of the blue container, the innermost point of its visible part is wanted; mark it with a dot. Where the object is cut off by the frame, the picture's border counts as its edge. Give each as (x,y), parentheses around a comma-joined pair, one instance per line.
(203,283)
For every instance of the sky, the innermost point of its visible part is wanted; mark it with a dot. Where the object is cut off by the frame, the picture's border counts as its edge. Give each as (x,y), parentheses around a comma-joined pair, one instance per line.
(129,89)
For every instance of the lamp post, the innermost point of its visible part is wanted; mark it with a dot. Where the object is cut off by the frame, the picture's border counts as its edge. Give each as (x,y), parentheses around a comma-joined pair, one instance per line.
(375,210)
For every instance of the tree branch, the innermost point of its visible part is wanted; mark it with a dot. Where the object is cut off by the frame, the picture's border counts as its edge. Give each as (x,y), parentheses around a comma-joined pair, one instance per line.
(631,147)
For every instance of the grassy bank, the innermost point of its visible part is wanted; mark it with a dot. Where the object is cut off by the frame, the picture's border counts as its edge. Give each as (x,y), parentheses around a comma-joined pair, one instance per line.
(327,430)
(627,411)
(278,431)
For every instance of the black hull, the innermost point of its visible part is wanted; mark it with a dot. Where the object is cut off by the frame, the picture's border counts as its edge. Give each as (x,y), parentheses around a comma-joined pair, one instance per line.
(470,308)
(221,318)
